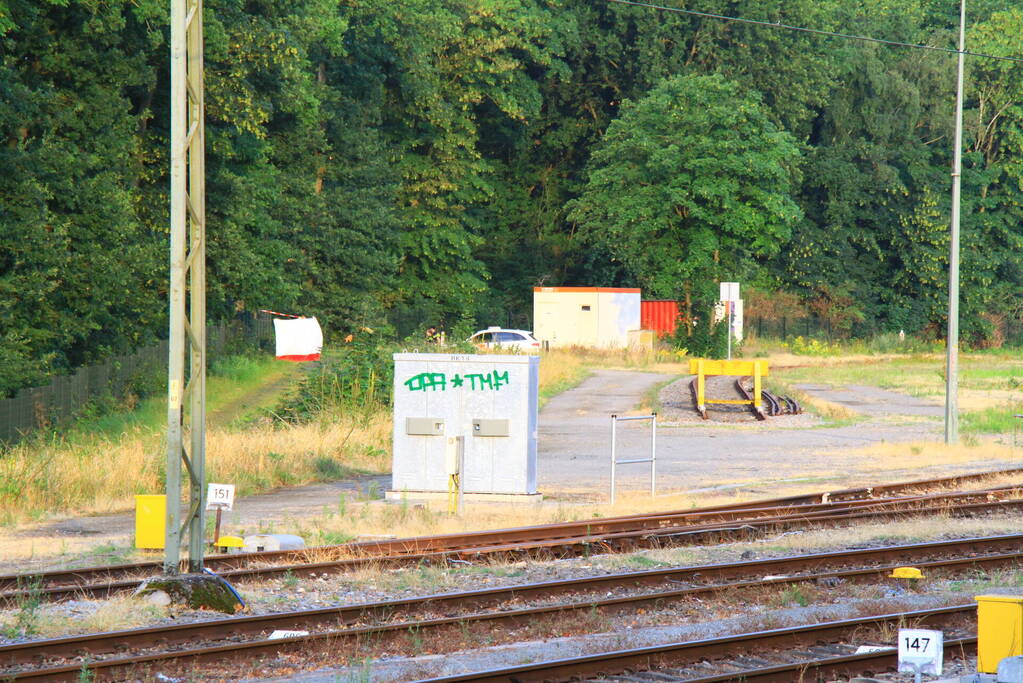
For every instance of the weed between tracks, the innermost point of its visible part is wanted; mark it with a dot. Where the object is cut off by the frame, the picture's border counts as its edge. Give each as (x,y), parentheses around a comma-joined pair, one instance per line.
(43,620)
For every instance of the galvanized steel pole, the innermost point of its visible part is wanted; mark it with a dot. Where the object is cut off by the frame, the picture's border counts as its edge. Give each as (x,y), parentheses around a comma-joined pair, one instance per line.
(653,456)
(197,310)
(952,340)
(614,462)
(187,275)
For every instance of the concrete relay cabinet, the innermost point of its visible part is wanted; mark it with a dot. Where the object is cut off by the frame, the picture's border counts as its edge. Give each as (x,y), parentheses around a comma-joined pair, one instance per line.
(490,400)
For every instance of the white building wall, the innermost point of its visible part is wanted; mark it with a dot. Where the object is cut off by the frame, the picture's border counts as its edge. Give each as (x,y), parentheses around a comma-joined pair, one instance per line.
(456,390)
(593,317)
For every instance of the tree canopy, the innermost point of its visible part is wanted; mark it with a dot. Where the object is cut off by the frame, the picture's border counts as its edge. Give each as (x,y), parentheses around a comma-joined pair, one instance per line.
(690,185)
(422,162)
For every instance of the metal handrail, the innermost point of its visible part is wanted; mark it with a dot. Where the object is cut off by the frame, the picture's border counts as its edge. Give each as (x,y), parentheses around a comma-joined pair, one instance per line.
(615,419)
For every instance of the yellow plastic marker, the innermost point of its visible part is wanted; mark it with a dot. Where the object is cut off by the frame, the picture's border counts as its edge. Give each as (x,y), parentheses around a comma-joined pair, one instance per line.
(999,630)
(225,543)
(906,573)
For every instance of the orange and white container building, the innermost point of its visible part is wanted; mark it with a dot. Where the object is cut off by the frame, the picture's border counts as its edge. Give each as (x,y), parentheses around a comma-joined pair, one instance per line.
(596,317)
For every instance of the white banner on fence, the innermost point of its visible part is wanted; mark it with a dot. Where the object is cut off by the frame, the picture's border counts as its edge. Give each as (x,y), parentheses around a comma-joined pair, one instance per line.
(298,339)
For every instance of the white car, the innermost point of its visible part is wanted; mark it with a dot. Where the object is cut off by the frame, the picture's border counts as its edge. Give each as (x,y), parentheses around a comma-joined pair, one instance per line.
(520,341)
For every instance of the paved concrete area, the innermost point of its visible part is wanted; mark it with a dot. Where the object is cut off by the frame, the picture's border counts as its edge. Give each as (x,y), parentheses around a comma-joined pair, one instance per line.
(575,434)
(874,401)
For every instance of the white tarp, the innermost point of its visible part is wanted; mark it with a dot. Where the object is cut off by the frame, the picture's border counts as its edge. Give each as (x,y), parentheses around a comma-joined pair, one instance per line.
(298,339)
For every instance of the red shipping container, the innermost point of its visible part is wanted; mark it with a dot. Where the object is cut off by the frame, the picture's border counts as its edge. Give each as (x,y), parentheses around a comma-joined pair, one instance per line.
(661,316)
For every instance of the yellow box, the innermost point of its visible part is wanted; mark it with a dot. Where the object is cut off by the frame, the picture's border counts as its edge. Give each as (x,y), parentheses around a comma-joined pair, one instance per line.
(999,630)
(150,521)
(727,367)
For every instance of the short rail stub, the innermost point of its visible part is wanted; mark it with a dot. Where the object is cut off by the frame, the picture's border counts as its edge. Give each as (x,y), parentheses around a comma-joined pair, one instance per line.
(615,419)
(704,367)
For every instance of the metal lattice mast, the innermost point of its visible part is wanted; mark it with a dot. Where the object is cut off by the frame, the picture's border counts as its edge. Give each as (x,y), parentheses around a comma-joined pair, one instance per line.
(187,277)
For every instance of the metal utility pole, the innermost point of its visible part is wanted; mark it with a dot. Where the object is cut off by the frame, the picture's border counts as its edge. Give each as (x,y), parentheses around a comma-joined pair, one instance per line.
(952,340)
(187,277)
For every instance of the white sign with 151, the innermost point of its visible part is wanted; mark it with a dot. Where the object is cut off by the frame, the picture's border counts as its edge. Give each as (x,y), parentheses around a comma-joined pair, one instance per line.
(220,497)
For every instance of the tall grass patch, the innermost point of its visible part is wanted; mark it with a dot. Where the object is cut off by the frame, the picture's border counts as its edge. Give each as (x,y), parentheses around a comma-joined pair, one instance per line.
(99,465)
(994,420)
(105,474)
(560,371)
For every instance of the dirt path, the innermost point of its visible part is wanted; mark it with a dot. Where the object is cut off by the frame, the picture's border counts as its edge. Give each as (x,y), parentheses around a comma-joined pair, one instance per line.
(263,397)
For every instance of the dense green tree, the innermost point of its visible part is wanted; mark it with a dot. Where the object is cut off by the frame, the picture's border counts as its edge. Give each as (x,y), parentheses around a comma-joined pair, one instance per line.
(429,161)
(690,185)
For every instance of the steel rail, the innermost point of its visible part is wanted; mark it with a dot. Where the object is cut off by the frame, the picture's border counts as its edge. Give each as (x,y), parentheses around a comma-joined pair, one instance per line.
(757,411)
(821,565)
(417,547)
(775,407)
(847,665)
(664,656)
(607,542)
(20,655)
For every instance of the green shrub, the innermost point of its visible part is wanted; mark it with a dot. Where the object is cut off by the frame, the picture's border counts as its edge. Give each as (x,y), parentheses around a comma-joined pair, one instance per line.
(358,380)
(812,347)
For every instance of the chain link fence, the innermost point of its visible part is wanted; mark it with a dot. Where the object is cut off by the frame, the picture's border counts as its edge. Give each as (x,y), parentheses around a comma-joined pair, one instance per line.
(1010,332)
(142,373)
(806,327)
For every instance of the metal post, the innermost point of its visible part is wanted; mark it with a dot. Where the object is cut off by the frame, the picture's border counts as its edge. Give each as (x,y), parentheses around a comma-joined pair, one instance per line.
(653,456)
(461,475)
(728,319)
(952,341)
(614,425)
(701,387)
(197,312)
(187,275)
(653,451)
(757,385)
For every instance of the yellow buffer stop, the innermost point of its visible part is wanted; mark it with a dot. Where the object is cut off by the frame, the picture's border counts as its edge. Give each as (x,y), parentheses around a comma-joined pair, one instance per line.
(728,367)
(150,521)
(999,630)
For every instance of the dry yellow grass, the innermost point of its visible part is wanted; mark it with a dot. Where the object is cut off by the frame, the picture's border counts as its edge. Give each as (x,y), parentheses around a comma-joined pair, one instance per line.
(906,455)
(982,399)
(376,519)
(99,475)
(104,475)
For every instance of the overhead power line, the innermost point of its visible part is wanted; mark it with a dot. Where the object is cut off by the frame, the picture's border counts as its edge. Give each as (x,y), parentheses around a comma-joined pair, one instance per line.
(819,32)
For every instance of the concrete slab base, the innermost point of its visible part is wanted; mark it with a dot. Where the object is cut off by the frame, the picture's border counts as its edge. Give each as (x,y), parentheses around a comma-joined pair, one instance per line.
(529,498)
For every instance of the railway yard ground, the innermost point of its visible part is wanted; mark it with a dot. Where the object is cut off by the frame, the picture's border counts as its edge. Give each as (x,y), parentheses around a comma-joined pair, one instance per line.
(701,583)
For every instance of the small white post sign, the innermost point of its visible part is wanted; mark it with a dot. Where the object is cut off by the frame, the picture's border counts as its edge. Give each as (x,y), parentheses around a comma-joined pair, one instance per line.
(729,291)
(220,497)
(921,651)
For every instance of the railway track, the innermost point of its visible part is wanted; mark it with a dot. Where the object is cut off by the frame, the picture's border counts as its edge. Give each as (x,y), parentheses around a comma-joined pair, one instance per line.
(773,406)
(816,652)
(565,539)
(452,616)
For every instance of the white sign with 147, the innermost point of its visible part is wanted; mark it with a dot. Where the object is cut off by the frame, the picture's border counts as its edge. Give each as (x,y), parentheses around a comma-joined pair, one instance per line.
(921,651)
